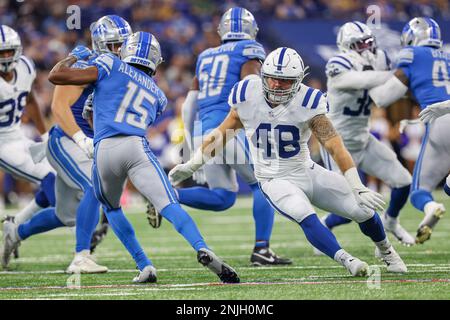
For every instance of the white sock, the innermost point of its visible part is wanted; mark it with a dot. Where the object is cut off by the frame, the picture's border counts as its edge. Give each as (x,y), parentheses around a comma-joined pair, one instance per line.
(383,245)
(27,212)
(341,256)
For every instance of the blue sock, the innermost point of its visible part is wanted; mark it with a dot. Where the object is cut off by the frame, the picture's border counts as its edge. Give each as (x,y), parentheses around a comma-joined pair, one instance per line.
(447,189)
(125,232)
(333,220)
(263,214)
(320,236)
(419,198)
(184,224)
(87,219)
(207,199)
(399,196)
(373,228)
(43,221)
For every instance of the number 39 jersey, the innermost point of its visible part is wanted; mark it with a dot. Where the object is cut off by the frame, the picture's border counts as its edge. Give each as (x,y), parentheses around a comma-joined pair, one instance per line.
(13,95)
(350,109)
(126,100)
(278,137)
(428,71)
(218,69)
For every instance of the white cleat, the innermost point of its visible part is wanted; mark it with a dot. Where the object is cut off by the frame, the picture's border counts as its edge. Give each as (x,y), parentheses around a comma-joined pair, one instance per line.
(147,275)
(11,242)
(356,267)
(392,225)
(392,260)
(433,212)
(84,263)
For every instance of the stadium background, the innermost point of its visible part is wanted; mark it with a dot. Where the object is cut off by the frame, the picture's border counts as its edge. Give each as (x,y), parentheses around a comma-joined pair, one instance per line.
(185,28)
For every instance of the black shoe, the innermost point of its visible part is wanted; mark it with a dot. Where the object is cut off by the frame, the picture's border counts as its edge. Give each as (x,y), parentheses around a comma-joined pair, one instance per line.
(153,216)
(266,257)
(12,219)
(226,273)
(99,235)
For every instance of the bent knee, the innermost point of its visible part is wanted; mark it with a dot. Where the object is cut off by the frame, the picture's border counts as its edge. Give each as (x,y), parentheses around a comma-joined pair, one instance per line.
(225,199)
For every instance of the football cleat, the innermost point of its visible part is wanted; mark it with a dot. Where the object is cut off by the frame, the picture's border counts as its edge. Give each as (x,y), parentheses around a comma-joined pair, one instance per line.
(356,267)
(84,263)
(392,260)
(11,242)
(225,273)
(99,235)
(11,218)
(433,213)
(392,225)
(153,216)
(265,256)
(147,275)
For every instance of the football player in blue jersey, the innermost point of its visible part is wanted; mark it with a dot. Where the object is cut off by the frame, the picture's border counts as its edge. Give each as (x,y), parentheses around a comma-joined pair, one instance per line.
(423,69)
(126,102)
(70,151)
(217,71)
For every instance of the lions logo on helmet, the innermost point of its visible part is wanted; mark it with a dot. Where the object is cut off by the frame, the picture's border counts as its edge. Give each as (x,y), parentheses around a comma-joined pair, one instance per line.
(421,32)
(9,40)
(108,31)
(237,24)
(285,64)
(142,48)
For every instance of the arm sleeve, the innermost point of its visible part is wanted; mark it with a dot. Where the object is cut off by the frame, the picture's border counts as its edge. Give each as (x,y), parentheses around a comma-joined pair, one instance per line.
(358,80)
(104,64)
(188,112)
(389,92)
(254,50)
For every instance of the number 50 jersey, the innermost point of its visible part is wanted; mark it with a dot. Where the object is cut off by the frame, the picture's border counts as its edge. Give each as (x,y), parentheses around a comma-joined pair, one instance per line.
(278,137)
(126,100)
(218,69)
(13,95)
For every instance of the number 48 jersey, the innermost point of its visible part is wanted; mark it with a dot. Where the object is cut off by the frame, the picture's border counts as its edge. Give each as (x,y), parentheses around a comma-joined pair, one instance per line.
(126,100)
(427,70)
(13,95)
(217,70)
(278,137)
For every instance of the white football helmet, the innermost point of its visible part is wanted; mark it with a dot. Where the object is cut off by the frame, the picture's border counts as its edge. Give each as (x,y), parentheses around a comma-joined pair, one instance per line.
(142,48)
(110,29)
(286,64)
(237,24)
(421,32)
(9,40)
(356,36)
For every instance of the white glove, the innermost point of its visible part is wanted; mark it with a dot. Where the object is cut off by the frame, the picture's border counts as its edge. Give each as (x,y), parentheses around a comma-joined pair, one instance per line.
(364,196)
(88,107)
(434,111)
(180,173)
(86,144)
(199,176)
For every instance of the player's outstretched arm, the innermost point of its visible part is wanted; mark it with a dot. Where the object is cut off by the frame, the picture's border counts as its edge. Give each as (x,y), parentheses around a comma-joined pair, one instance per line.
(359,80)
(434,111)
(214,142)
(392,90)
(327,135)
(33,111)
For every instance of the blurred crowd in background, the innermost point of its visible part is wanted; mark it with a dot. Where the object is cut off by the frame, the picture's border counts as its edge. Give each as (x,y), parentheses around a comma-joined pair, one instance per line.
(184,29)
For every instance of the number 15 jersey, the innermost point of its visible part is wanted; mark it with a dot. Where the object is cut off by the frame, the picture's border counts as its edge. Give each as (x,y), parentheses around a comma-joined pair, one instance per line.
(126,100)
(278,137)
(217,70)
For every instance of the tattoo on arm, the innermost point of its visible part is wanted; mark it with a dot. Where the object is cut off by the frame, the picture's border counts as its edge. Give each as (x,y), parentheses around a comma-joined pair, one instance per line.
(322,128)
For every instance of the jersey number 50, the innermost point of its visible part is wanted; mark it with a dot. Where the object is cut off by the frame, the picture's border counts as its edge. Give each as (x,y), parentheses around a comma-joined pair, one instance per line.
(286,138)
(212,79)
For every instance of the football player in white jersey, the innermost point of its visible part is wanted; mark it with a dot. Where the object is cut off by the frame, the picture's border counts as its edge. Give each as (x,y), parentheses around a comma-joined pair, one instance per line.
(358,67)
(17,74)
(278,114)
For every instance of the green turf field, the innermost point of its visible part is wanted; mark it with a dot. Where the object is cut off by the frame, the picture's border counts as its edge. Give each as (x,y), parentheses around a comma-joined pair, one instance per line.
(39,272)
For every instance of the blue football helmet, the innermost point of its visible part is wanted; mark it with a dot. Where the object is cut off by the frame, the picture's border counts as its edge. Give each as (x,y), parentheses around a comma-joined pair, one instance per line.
(142,48)
(109,30)
(421,32)
(237,24)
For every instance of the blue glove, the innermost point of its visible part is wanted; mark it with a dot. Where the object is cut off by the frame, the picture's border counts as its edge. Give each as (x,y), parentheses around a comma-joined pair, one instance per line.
(81,52)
